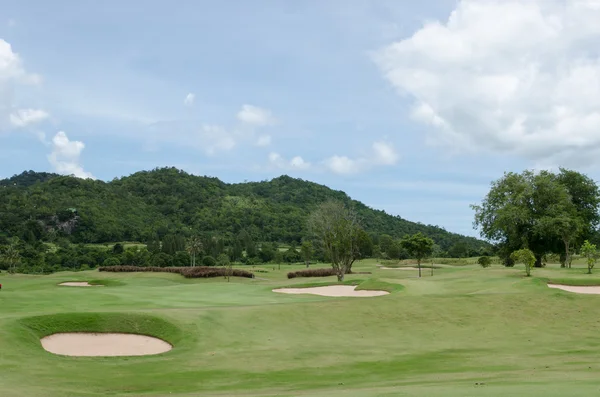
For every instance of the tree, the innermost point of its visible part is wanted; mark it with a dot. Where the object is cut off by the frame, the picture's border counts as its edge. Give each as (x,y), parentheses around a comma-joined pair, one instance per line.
(526,257)
(118,249)
(209,261)
(12,257)
(194,247)
(111,262)
(418,246)
(543,212)
(278,258)
(335,227)
(307,250)
(591,254)
(484,261)
(365,244)
(224,262)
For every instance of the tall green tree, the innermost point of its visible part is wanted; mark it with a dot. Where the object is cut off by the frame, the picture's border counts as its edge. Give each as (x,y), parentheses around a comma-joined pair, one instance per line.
(418,246)
(12,256)
(335,226)
(544,212)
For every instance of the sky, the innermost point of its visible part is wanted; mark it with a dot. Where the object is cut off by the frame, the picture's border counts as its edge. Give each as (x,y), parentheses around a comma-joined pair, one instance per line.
(409,107)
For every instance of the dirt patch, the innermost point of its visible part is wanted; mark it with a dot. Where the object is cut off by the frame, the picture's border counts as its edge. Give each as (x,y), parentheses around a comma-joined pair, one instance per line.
(79,284)
(577,289)
(332,290)
(103,345)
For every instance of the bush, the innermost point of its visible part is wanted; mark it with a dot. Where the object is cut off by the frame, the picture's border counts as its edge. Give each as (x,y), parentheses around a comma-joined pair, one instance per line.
(484,261)
(187,272)
(323,272)
(111,262)
(209,261)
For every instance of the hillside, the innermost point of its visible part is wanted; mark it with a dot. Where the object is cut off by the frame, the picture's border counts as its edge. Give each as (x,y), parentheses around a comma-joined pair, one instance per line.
(168,200)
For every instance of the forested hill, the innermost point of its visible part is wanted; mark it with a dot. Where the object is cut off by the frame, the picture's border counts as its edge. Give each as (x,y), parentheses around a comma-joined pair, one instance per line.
(167,200)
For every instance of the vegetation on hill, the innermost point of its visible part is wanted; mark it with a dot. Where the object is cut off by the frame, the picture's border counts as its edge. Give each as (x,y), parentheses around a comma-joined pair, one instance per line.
(153,204)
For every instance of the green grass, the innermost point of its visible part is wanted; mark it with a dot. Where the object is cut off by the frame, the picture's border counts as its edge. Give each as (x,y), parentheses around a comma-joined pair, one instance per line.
(436,336)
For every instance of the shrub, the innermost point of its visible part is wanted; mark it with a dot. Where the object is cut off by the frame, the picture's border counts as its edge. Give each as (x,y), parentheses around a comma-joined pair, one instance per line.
(209,261)
(111,262)
(187,272)
(323,272)
(484,261)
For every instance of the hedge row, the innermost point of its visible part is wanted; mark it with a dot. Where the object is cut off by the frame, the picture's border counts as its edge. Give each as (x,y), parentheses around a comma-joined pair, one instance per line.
(187,272)
(323,272)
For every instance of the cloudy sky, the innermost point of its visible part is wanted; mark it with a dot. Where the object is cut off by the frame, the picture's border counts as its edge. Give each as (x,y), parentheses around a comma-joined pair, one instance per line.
(411,108)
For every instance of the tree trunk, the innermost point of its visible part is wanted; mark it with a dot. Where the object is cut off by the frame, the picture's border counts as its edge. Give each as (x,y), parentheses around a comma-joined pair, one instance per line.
(419,263)
(431,268)
(538,261)
(567,264)
(340,277)
(306,262)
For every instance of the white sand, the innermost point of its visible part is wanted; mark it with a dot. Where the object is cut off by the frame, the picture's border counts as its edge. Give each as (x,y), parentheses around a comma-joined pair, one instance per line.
(103,345)
(577,289)
(79,284)
(332,290)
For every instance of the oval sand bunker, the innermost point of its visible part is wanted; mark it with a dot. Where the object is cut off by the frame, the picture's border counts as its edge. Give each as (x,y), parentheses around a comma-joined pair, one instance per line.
(332,290)
(577,289)
(79,284)
(103,345)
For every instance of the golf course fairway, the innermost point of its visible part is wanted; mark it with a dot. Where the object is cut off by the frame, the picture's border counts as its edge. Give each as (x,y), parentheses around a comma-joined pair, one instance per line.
(465,331)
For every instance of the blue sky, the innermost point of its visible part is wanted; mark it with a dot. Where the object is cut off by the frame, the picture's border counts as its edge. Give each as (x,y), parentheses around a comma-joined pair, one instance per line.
(410,107)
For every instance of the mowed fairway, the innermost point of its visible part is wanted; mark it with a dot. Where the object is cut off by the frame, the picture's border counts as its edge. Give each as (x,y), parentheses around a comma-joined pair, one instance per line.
(466,331)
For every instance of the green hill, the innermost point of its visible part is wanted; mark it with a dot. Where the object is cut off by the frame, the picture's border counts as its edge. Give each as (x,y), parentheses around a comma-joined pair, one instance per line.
(169,200)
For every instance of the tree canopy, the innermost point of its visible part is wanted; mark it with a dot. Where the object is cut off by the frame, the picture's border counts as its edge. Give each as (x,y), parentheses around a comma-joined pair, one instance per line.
(544,212)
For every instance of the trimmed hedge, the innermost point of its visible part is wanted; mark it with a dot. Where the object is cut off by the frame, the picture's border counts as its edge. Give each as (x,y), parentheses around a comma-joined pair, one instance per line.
(187,272)
(323,272)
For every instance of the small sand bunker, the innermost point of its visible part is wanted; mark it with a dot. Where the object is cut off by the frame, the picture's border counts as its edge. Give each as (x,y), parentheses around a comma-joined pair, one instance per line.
(577,289)
(79,284)
(103,345)
(332,290)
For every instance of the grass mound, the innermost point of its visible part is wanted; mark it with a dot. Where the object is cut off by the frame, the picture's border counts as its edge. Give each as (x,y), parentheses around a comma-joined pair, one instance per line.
(187,272)
(124,323)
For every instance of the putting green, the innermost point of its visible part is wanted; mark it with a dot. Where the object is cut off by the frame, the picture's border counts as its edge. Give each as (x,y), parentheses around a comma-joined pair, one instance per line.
(465,331)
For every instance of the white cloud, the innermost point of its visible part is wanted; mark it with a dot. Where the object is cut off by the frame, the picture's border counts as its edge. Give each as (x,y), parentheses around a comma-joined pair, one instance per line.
(25,117)
(189,99)
(384,153)
(253,115)
(520,77)
(214,138)
(12,75)
(65,156)
(344,165)
(296,163)
(263,140)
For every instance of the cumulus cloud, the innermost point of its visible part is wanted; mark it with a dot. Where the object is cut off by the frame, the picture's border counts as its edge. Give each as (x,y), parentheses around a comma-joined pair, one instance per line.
(189,99)
(65,156)
(12,75)
(519,77)
(25,117)
(263,140)
(255,116)
(296,163)
(344,165)
(382,153)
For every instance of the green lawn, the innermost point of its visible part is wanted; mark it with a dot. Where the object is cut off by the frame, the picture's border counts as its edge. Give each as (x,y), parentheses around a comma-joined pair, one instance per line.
(466,331)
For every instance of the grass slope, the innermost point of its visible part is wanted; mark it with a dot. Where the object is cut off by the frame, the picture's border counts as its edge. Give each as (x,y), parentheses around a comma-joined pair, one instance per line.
(437,336)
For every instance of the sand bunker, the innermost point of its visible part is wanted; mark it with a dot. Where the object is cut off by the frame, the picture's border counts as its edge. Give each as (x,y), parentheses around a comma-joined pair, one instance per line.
(577,289)
(79,284)
(104,345)
(332,290)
